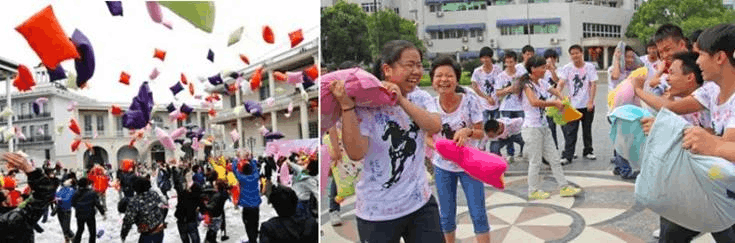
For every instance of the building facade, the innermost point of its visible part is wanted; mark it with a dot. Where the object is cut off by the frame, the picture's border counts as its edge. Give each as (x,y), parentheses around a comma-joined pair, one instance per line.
(462,27)
(110,141)
(301,123)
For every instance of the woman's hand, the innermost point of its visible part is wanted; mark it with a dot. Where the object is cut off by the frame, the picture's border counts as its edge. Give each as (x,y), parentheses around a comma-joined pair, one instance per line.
(461,136)
(647,123)
(17,161)
(558,104)
(337,87)
(699,141)
(391,87)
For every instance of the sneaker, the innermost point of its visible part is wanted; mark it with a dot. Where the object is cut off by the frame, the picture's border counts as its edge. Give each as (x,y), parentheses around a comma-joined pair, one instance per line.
(656,233)
(539,195)
(591,156)
(564,162)
(575,156)
(616,171)
(569,191)
(335,218)
(632,176)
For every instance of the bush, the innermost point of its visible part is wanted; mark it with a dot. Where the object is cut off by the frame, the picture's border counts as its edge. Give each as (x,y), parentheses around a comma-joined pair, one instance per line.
(470,66)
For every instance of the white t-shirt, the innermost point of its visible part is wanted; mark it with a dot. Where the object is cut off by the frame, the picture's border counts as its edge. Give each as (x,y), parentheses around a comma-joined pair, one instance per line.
(648,63)
(521,66)
(723,116)
(549,80)
(467,114)
(579,80)
(511,102)
(536,116)
(393,183)
(513,126)
(486,83)
(612,83)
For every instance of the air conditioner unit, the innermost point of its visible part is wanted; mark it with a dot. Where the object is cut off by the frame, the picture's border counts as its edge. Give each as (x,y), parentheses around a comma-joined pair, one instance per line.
(464,39)
(465,48)
(480,38)
(439,14)
(493,44)
(554,41)
(430,43)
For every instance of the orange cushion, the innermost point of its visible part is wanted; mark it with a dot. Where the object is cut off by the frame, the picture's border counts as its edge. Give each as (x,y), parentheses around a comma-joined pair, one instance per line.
(44,34)
(24,80)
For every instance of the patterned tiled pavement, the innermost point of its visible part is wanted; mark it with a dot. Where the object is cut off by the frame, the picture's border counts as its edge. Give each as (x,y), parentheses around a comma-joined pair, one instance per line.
(604,212)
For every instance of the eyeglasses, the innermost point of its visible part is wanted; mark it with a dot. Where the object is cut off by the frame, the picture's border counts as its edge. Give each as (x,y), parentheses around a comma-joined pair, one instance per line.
(410,65)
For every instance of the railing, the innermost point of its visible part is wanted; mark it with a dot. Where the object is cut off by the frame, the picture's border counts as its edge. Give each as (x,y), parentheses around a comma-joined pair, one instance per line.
(32,140)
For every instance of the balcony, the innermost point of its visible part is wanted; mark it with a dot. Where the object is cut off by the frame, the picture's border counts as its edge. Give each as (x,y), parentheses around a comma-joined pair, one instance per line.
(29,117)
(33,140)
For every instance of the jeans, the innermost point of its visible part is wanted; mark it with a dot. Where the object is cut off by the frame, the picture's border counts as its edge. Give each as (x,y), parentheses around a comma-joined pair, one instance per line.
(333,206)
(446,186)
(672,232)
(514,138)
(622,165)
(420,226)
(303,210)
(92,224)
(250,218)
(487,115)
(151,238)
(188,232)
(65,221)
(570,134)
(213,228)
(539,146)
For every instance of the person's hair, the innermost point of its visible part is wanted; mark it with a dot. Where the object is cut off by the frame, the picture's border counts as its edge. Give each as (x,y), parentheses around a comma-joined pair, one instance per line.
(551,53)
(246,168)
(486,51)
(347,65)
(719,38)
(442,61)
(534,61)
(391,53)
(83,182)
(689,65)
(693,38)
(313,168)
(668,31)
(527,48)
(650,44)
(221,185)
(575,46)
(491,125)
(510,54)
(628,48)
(195,168)
(284,201)
(141,185)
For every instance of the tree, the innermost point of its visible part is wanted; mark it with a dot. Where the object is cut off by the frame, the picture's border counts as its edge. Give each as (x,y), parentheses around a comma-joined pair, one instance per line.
(386,25)
(690,15)
(344,34)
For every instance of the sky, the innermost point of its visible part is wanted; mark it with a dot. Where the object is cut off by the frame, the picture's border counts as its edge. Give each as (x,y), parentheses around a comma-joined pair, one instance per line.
(127,43)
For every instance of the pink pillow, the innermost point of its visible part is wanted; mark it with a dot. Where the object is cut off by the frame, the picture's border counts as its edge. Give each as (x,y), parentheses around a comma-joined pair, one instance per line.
(43,32)
(488,168)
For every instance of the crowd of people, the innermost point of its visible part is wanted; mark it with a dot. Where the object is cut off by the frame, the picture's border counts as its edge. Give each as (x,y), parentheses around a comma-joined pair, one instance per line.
(691,76)
(201,190)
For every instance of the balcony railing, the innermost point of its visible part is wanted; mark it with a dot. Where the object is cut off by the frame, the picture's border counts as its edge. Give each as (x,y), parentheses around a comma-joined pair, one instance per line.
(32,140)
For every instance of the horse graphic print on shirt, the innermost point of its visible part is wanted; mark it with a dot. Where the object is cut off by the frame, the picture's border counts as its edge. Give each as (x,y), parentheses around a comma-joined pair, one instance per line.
(403,146)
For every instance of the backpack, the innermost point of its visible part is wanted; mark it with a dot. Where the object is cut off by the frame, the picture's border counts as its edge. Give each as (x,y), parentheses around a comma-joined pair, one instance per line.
(64,197)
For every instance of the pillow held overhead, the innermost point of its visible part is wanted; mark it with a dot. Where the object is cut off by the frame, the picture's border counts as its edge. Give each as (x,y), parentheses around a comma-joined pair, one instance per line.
(45,36)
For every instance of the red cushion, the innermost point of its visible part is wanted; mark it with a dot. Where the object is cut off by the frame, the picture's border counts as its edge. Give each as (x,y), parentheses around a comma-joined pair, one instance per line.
(24,80)
(268,35)
(296,37)
(44,34)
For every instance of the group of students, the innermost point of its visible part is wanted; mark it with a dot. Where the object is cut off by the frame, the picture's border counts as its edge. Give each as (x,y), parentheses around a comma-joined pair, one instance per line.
(202,191)
(394,198)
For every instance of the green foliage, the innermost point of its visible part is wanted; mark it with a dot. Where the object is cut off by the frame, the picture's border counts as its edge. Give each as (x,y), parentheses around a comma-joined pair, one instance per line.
(690,15)
(344,34)
(471,65)
(386,25)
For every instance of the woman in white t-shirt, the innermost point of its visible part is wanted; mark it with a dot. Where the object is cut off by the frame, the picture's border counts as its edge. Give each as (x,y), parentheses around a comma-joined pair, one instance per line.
(394,199)
(536,133)
(462,118)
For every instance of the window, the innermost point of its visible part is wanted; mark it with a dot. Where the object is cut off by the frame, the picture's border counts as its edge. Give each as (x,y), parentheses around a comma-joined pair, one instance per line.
(87,125)
(370,7)
(45,130)
(264,92)
(32,129)
(535,29)
(23,130)
(48,153)
(188,119)
(396,10)
(314,129)
(101,124)
(233,101)
(202,121)
(601,30)
(22,109)
(118,121)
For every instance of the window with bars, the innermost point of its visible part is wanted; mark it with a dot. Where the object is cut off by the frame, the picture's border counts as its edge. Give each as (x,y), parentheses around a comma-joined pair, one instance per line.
(233,101)
(534,30)
(87,125)
(119,130)
(264,91)
(32,129)
(101,124)
(202,121)
(601,30)
(370,7)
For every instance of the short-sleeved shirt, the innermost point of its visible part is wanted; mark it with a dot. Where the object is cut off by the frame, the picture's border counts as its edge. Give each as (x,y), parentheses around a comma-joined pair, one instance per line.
(513,126)
(511,102)
(549,80)
(612,83)
(467,114)
(486,83)
(393,182)
(722,115)
(648,63)
(535,116)
(579,80)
